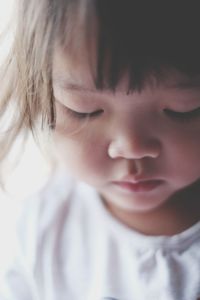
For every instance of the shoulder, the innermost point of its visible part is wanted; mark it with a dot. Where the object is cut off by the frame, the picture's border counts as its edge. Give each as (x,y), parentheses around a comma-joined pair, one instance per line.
(50,217)
(44,208)
(43,235)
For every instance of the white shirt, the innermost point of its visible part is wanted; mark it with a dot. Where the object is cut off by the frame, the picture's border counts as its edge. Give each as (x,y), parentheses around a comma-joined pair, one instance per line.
(68,246)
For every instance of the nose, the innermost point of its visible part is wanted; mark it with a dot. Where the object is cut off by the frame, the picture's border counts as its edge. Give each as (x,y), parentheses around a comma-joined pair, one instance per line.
(134,145)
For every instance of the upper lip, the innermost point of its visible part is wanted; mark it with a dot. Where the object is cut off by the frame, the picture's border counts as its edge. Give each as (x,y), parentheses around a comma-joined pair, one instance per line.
(135,179)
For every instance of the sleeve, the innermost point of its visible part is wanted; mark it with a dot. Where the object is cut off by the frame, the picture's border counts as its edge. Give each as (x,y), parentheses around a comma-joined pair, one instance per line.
(16,267)
(31,241)
(17,283)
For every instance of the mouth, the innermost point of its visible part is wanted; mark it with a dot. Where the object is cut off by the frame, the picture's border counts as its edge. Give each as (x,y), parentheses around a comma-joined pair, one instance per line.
(138,186)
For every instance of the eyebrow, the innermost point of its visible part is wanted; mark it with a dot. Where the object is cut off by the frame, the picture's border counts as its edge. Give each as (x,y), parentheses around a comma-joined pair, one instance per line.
(71,86)
(75,87)
(185,84)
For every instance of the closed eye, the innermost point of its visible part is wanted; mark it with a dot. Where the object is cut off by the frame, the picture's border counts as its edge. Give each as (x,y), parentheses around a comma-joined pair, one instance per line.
(80,115)
(183,116)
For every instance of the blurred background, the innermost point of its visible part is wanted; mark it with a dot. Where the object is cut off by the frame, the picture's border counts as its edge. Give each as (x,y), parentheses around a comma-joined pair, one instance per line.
(32,171)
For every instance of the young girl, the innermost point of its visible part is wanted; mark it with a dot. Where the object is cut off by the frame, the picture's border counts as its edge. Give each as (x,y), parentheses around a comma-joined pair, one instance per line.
(115,85)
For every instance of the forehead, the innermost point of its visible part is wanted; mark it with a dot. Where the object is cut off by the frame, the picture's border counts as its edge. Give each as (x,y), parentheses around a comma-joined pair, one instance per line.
(74,67)
(77,71)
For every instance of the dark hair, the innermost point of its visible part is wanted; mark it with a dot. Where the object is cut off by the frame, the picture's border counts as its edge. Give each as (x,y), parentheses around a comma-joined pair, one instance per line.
(141,38)
(147,38)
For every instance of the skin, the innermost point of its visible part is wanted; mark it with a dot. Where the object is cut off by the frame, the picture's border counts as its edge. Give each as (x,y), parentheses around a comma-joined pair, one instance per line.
(132,135)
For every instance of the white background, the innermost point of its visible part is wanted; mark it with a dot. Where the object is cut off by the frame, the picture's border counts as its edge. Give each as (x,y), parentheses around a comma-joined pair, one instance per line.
(33,170)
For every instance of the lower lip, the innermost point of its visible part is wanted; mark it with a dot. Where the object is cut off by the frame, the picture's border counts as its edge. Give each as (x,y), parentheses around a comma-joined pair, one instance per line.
(145,186)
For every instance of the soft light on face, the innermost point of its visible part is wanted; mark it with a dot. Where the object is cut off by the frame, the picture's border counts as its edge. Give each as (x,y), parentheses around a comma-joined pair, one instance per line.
(104,137)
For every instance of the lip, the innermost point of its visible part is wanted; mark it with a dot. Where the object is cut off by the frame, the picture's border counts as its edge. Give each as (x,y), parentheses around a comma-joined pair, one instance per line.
(138,186)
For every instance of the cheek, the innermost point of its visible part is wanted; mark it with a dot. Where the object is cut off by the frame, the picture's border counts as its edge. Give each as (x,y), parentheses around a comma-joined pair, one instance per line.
(182,153)
(182,139)
(82,155)
(186,143)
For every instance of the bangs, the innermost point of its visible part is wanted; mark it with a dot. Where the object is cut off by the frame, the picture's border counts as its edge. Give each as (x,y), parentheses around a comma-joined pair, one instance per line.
(145,38)
(138,38)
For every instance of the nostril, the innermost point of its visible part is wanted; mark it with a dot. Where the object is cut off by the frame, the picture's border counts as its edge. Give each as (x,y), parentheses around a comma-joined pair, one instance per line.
(134,149)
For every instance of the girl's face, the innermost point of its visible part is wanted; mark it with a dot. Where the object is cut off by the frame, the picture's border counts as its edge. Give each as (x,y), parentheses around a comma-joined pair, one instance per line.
(137,150)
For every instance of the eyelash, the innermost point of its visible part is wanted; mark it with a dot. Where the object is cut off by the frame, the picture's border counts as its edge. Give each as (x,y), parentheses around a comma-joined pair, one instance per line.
(179,116)
(183,116)
(81,116)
